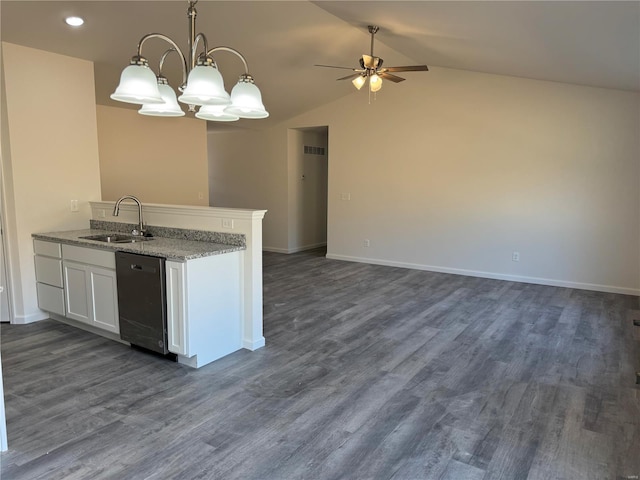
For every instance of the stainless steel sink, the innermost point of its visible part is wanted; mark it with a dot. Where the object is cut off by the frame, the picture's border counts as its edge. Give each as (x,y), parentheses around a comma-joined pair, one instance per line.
(117,238)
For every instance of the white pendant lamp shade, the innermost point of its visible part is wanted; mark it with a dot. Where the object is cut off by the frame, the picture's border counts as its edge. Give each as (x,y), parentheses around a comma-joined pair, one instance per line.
(246,100)
(138,84)
(215,113)
(375,83)
(169,107)
(205,87)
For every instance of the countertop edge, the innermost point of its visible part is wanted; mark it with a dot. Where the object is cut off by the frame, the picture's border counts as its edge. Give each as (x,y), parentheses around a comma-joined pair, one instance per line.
(72,237)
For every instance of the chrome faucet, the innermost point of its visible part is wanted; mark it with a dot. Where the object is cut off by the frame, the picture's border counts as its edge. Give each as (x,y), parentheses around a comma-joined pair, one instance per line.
(116,210)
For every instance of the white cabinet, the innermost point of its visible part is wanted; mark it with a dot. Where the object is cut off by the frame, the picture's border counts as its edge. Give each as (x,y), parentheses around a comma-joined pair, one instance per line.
(76,280)
(48,262)
(104,296)
(90,287)
(204,299)
(177,332)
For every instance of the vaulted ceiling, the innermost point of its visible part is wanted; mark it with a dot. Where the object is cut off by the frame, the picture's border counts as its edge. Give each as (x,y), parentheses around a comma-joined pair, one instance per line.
(587,43)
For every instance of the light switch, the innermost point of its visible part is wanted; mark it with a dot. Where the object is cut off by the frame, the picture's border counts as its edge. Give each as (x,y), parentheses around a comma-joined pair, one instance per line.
(74,205)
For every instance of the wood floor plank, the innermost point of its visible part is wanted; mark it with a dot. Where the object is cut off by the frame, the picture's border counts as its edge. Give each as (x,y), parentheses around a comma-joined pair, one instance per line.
(370,372)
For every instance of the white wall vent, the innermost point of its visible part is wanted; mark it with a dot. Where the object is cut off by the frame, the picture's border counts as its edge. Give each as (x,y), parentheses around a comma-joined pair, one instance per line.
(313,150)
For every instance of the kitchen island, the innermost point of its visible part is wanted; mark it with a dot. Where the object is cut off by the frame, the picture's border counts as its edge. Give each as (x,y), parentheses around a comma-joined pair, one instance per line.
(209,275)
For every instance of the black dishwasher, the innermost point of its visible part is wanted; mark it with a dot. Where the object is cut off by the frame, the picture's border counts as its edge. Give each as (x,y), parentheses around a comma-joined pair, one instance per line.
(142,305)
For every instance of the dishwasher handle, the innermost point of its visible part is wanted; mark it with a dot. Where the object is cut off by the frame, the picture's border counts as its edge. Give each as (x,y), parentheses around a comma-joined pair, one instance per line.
(143,268)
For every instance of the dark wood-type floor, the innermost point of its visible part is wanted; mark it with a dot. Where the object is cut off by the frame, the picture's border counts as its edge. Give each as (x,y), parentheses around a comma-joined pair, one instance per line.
(369,372)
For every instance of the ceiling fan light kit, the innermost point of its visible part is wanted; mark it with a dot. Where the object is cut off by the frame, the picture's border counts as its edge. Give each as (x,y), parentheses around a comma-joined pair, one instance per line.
(359,81)
(202,83)
(371,69)
(375,83)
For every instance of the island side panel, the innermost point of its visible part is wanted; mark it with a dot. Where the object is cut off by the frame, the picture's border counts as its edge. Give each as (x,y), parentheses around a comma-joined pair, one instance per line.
(212,307)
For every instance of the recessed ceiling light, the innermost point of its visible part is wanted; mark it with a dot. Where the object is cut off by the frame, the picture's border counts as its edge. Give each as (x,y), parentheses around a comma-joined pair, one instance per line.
(74,21)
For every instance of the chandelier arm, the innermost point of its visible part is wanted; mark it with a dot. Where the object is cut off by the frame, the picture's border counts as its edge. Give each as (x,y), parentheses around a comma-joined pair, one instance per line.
(231,50)
(162,59)
(175,46)
(194,47)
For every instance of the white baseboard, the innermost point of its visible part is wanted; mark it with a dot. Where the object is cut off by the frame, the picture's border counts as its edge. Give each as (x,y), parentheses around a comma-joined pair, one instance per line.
(253,345)
(275,249)
(30,318)
(496,276)
(294,249)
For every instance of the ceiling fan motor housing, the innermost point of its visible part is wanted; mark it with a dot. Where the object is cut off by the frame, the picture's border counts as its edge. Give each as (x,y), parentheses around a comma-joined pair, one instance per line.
(376,63)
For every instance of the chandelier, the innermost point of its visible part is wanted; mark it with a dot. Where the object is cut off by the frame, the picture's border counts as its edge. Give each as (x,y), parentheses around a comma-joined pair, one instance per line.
(202,84)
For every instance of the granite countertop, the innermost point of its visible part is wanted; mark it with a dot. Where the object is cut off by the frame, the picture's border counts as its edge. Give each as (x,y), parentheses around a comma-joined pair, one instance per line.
(175,249)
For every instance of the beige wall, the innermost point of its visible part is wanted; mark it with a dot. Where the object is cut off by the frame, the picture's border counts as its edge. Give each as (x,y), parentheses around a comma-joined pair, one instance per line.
(455,170)
(159,160)
(49,157)
(248,169)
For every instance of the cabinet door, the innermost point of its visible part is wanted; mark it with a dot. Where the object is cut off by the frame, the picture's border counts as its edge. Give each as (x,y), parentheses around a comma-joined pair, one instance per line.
(176,309)
(76,282)
(104,299)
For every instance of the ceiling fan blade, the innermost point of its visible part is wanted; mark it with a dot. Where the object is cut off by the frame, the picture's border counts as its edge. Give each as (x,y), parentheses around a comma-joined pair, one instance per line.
(410,68)
(389,76)
(349,77)
(334,66)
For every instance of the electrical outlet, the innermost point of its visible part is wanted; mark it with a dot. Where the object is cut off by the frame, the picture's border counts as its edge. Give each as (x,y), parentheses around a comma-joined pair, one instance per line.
(345,196)
(515,256)
(367,243)
(227,223)
(200,196)
(102,213)
(74,205)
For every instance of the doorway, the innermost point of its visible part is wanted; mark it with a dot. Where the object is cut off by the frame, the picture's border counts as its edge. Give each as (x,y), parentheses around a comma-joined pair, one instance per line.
(309,178)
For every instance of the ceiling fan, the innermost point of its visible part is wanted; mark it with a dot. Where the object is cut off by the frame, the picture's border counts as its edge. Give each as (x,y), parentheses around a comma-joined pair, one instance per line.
(371,68)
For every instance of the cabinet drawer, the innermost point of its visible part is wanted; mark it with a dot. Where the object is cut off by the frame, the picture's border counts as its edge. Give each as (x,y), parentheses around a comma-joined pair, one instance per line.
(50,299)
(49,270)
(50,249)
(92,256)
